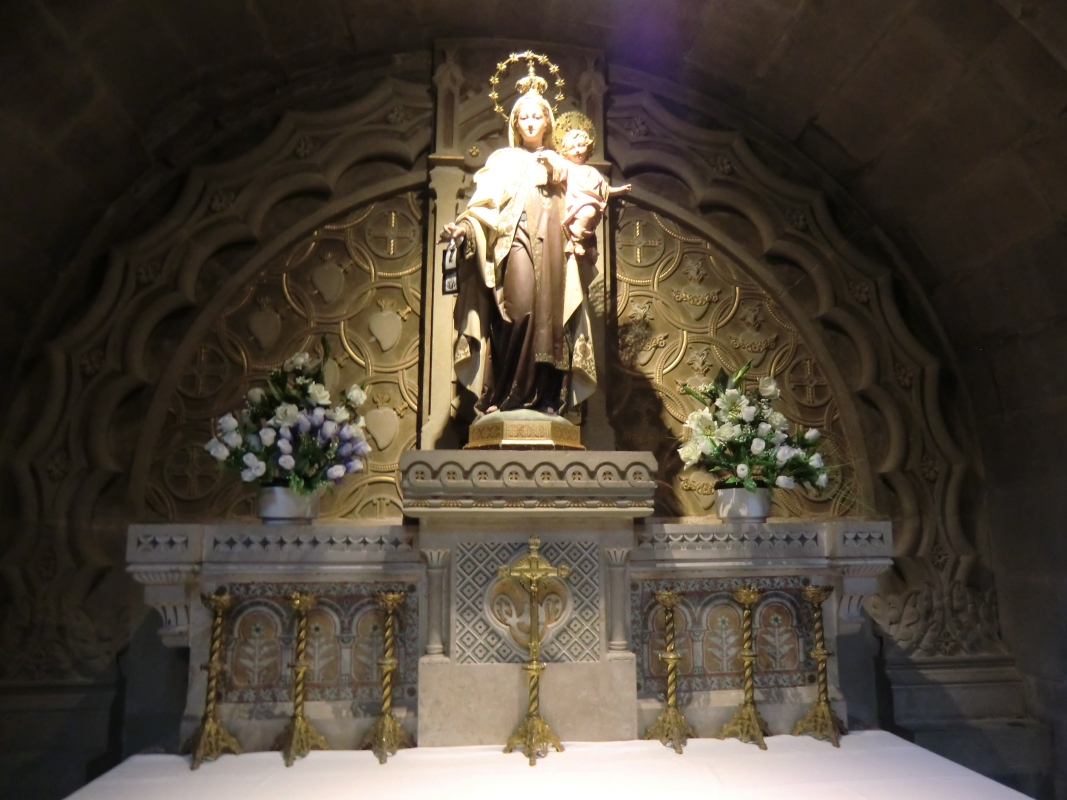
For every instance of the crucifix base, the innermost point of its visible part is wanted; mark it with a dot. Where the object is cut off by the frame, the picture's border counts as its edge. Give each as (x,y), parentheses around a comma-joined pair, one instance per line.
(534,737)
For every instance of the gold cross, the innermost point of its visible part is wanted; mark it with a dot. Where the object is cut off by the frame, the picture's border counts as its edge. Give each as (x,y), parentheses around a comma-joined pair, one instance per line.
(532,570)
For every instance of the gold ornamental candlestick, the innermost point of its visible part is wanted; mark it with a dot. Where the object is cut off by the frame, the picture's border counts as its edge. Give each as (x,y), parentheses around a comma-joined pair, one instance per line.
(211,740)
(747,724)
(300,737)
(671,727)
(820,721)
(533,734)
(387,736)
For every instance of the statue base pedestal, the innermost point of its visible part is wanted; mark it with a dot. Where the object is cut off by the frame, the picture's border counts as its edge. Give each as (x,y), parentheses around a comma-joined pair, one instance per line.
(523,429)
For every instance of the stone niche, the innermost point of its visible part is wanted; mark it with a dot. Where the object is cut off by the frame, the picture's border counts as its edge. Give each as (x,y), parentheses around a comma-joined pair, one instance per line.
(462,628)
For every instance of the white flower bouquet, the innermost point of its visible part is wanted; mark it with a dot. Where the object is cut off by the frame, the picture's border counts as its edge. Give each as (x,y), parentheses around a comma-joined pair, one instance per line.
(291,433)
(740,439)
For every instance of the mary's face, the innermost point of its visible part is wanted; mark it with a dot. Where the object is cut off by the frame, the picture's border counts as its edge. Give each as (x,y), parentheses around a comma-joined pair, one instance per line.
(532,123)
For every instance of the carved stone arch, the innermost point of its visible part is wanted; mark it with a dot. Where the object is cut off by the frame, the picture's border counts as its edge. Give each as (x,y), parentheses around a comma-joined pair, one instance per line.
(885,381)
(247,202)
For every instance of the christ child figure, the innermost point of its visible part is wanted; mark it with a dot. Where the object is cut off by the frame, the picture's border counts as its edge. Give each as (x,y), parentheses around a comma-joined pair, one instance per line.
(587,192)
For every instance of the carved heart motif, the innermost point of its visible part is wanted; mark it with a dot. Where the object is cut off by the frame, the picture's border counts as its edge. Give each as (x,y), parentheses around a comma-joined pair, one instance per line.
(383,425)
(696,304)
(265,325)
(386,326)
(328,280)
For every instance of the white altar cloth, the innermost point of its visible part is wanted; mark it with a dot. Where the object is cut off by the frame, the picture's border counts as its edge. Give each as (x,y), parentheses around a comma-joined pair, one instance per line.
(870,765)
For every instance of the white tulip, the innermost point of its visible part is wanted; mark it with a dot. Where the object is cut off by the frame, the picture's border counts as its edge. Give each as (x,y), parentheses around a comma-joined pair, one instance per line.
(217,450)
(319,394)
(256,396)
(267,436)
(285,446)
(758,446)
(227,423)
(355,395)
(742,471)
(784,482)
(768,388)
(748,413)
(336,472)
(299,361)
(816,461)
(779,437)
(763,429)
(821,480)
(232,439)
(250,459)
(812,434)
(286,462)
(785,452)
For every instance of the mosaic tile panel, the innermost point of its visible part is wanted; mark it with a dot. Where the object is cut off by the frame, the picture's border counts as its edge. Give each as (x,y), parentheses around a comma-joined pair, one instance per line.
(708,635)
(573,633)
(344,644)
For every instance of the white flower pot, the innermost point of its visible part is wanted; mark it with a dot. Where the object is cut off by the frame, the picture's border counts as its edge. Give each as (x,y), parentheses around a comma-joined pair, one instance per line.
(280,505)
(735,504)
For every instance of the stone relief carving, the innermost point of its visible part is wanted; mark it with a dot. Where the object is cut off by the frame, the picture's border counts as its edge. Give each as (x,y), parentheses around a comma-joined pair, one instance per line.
(185,317)
(789,282)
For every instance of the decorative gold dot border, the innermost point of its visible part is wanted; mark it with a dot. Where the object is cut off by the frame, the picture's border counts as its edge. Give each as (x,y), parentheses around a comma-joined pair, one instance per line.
(531,58)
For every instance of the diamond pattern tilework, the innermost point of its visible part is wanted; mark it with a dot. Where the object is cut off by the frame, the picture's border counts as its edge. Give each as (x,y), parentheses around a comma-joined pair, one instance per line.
(476,641)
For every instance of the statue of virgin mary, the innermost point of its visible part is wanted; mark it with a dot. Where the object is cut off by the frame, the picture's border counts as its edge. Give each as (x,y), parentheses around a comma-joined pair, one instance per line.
(523,333)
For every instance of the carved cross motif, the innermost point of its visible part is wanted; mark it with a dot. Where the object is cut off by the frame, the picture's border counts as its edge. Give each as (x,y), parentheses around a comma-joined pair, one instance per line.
(391,234)
(639,243)
(809,382)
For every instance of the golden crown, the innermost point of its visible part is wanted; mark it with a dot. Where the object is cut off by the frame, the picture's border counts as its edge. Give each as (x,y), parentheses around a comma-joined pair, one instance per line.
(530,83)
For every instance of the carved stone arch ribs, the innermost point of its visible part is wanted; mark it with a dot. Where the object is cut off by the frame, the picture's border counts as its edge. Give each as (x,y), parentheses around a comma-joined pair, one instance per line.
(882,389)
(662,348)
(355,279)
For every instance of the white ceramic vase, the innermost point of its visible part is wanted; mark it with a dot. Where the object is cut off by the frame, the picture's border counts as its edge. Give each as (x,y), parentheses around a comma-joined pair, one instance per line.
(737,504)
(280,505)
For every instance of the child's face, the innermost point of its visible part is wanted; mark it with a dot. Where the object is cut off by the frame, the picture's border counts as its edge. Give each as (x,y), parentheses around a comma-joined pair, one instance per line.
(576,146)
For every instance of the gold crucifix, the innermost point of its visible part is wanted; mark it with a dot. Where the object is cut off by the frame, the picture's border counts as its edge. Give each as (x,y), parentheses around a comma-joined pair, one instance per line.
(532,571)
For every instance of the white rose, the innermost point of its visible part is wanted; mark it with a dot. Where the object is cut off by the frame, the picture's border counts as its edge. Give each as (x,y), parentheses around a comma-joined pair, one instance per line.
(217,450)
(338,414)
(689,453)
(742,470)
(763,429)
(256,396)
(267,436)
(812,434)
(287,462)
(355,395)
(227,423)
(725,433)
(821,481)
(748,413)
(758,446)
(768,388)
(816,461)
(336,472)
(232,439)
(318,394)
(285,446)
(286,414)
(778,438)
(784,482)
(785,452)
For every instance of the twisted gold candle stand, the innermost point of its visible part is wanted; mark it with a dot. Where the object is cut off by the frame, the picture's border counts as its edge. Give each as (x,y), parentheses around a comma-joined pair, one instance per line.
(211,740)
(671,727)
(387,736)
(533,734)
(747,725)
(820,721)
(300,737)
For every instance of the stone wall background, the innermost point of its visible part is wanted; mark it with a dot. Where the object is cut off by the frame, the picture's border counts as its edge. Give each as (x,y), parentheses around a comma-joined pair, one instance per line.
(942,118)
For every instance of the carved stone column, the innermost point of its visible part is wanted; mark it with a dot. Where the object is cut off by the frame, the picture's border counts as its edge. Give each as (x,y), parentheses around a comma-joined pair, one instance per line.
(435,572)
(618,603)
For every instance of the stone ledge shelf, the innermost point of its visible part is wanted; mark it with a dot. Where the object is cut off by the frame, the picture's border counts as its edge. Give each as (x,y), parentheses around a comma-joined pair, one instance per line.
(448,483)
